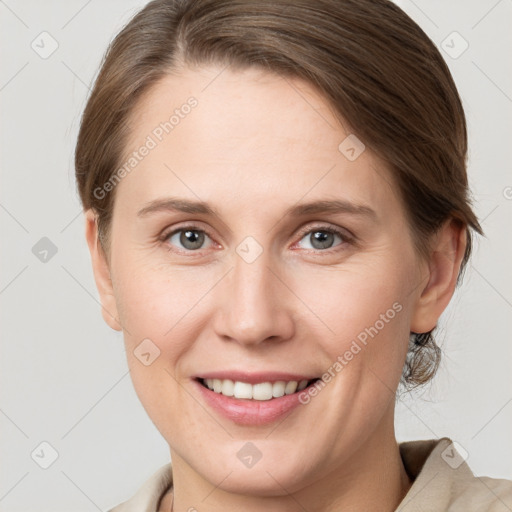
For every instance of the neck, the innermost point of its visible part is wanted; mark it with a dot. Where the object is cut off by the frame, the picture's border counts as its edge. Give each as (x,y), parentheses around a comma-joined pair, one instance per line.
(373,478)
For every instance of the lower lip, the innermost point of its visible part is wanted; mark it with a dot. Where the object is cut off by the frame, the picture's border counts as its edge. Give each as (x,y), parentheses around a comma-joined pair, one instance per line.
(250,412)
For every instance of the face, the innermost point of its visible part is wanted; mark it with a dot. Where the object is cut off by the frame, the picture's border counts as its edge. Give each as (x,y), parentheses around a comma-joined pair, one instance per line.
(223,277)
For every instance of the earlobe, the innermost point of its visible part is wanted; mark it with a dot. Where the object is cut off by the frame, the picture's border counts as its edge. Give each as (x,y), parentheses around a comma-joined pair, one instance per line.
(443,267)
(101,272)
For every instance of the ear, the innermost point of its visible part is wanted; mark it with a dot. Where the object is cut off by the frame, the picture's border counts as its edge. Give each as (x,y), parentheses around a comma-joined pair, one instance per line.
(101,271)
(443,267)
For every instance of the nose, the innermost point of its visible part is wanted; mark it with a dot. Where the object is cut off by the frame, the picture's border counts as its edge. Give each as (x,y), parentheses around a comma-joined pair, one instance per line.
(254,305)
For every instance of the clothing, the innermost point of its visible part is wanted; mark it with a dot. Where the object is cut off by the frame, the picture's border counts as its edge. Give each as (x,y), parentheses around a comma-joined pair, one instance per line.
(442,481)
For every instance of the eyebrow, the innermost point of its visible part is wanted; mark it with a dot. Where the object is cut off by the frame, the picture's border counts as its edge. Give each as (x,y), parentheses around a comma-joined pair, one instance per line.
(334,206)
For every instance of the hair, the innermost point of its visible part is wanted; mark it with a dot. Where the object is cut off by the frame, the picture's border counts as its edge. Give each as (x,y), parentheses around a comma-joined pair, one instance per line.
(375,66)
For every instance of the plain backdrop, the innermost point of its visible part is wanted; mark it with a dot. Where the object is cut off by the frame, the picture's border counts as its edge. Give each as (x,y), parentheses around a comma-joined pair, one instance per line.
(64,380)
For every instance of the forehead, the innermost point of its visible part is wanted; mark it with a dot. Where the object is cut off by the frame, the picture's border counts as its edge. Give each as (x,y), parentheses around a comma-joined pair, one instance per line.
(216,133)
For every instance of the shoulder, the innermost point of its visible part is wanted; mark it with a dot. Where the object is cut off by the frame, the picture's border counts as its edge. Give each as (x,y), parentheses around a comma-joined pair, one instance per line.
(490,494)
(148,496)
(443,480)
(485,493)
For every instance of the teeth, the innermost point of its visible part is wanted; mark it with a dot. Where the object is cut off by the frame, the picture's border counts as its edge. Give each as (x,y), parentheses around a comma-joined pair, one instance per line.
(302,385)
(217,385)
(260,391)
(291,387)
(228,387)
(242,390)
(278,388)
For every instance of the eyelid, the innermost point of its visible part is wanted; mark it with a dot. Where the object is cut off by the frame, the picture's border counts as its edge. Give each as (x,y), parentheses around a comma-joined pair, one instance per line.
(190,225)
(343,232)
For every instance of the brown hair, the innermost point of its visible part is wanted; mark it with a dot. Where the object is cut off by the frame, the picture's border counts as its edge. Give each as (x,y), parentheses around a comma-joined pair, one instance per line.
(375,65)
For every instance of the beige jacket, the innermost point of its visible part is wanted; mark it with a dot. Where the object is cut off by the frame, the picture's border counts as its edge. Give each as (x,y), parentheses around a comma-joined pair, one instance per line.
(442,481)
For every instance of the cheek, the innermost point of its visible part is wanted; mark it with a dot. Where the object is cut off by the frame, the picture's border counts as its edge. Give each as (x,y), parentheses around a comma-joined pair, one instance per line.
(365,314)
(159,311)
(154,302)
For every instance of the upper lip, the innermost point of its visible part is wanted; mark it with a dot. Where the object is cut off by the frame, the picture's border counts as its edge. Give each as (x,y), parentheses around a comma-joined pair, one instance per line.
(254,377)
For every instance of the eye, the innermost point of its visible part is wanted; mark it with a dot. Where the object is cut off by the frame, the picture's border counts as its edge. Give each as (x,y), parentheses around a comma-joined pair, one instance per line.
(323,237)
(190,238)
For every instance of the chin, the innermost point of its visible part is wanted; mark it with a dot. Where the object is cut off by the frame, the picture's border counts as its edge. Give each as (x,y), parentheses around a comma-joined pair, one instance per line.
(277,472)
(261,482)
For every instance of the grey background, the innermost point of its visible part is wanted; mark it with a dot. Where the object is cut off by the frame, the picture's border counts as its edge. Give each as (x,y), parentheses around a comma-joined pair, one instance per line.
(63,372)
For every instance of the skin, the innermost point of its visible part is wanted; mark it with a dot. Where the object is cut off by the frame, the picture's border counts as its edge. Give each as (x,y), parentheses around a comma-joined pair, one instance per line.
(255,145)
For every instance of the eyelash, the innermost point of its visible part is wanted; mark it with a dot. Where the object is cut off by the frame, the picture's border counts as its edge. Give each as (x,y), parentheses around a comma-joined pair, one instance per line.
(345,237)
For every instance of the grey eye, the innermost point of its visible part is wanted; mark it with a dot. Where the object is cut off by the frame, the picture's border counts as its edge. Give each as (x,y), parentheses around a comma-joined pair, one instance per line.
(321,239)
(190,239)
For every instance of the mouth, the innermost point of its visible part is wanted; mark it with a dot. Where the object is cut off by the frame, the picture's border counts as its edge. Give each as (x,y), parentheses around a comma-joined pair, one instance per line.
(260,391)
(253,398)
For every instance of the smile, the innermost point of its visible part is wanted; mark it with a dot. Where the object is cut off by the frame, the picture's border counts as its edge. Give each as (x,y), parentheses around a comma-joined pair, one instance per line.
(259,391)
(252,399)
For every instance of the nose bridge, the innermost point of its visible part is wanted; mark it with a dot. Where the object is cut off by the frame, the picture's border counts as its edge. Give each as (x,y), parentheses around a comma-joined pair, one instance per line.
(255,306)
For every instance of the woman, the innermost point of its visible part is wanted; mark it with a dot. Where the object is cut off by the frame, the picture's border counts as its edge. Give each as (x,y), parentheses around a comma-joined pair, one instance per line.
(277,211)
